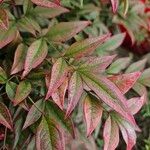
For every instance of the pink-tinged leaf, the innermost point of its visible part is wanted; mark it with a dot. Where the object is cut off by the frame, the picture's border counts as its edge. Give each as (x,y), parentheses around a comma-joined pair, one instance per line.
(75,90)
(3,19)
(8,36)
(1,1)
(65,30)
(35,55)
(59,96)
(136,103)
(34,114)
(3,76)
(114,4)
(19,59)
(22,92)
(85,47)
(109,94)
(125,81)
(49,13)
(96,64)
(5,117)
(110,134)
(45,3)
(58,76)
(49,136)
(92,113)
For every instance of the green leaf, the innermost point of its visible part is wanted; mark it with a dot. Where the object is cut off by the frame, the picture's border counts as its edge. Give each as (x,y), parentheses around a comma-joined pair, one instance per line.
(65,30)
(22,92)
(35,55)
(3,76)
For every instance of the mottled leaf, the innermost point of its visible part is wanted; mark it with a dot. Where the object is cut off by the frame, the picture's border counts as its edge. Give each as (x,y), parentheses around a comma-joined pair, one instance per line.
(3,76)
(3,19)
(92,113)
(65,30)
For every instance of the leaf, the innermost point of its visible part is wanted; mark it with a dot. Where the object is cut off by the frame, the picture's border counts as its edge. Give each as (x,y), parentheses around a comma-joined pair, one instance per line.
(34,114)
(75,90)
(65,30)
(92,113)
(22,92)
(126,7)
(49,136)
(3,19)
(109,94)
(110,134)
(118,65)
(137,66)
(56,114)
(35,55)
(19,58)
(111,44)
(8,36)
(49,13)
(3,76)
(136,103)
(5,117)
(85,47)
(31,144)
(58,75)
(114,4)
(125,81)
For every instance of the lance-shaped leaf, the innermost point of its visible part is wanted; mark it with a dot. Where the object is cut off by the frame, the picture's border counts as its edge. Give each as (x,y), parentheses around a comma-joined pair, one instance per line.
(85,47)
(136,103)
(109,94)
(3,76)
(96,64)
(114,4)
(3,19)
(75,90)
(5,117)
(8,36)
(125,81)
(45,3)
(92,113)
(49,136)
(56,114)
(49,13)
(110,134)
(58,75)
(19,58)
(34,113)
(22,92)
(35,55)
(65,30)
(59,96)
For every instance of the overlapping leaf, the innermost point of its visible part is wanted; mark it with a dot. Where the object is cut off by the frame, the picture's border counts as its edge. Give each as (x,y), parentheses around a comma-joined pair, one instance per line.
(3,76)
(3,19)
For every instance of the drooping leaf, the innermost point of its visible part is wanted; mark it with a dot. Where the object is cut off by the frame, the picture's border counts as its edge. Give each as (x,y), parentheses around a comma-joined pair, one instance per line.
(109,94)
(49,136)
(35,55)
(55,113)
(114,4)
(3,76)
(34,113)
(5,116)
(75,90)
(22,91)
(65,30)
(110,134)
(3,19)
(92,113)
(19,59)
(85,47)
(125,81)
(58,75)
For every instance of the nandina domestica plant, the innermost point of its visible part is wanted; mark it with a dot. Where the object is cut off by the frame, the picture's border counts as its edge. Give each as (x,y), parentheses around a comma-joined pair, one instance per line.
(48,71)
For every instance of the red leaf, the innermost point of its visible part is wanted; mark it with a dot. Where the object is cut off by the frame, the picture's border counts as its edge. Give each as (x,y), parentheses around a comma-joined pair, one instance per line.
(111,134)
(3,19)
(92,112)
(125,81)
(75,90)
(58,75)
(5,117)
(114,4)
